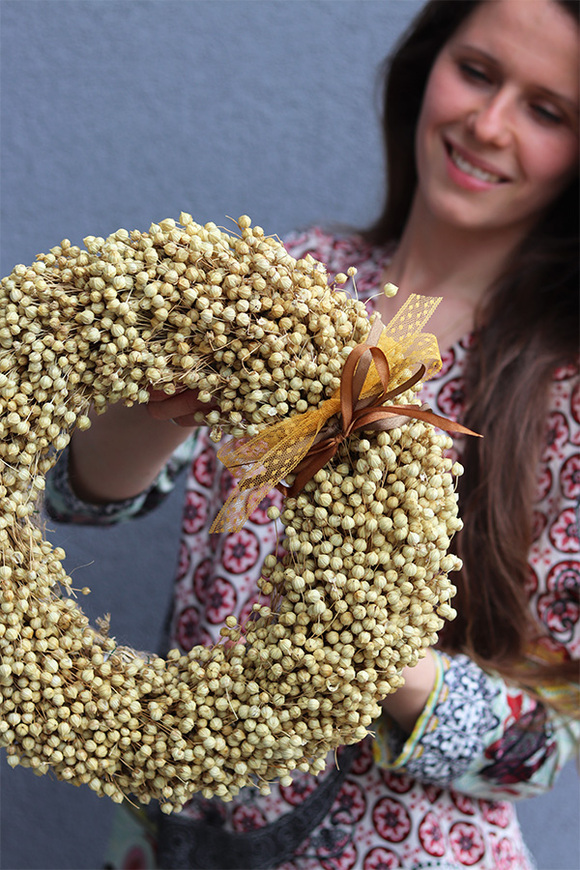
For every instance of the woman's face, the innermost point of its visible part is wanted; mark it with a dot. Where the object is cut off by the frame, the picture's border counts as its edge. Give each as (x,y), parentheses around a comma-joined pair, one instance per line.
(497,137)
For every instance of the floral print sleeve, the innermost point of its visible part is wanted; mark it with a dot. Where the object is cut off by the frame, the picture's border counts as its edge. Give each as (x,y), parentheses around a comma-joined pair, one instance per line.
(63,505)
(477,734)
(480,737)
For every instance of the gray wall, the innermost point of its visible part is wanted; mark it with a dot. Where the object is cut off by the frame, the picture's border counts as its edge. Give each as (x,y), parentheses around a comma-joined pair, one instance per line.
(116,113)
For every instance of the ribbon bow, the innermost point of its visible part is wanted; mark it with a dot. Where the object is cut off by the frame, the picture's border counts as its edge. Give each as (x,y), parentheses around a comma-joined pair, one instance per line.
(306,442)
(366,414)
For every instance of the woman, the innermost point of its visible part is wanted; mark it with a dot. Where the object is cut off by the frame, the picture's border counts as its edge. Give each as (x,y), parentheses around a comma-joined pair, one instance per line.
(481,110)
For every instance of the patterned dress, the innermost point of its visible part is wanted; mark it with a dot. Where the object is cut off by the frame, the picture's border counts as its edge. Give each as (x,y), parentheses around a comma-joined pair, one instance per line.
(439,798)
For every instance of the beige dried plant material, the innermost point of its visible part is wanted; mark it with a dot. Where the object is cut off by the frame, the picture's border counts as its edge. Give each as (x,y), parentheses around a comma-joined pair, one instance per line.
(363,587)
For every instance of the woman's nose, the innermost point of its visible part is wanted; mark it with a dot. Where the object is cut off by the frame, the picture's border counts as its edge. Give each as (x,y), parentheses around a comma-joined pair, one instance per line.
(491,121)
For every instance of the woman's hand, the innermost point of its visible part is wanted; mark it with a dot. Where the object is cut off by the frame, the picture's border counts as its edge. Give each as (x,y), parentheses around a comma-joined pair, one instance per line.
(125,448)
(180,408)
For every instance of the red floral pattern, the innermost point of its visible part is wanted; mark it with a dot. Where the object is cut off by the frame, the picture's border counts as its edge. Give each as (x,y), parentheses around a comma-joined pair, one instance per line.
(544,484)
(350,804)
(273,499)
(194,513)
(563,533)
(300,789)
(558,433)
(431,835)
(559,609)
(564,373)
(347,860)
(496,812)
(448,360)
(432,792)
(188,632)
(392,821)
(364,760)
(204,467)
(539,524)
(226,484)
(570,477)
(504,855)
(203,579)
(184,561)
(463,802)
(222,598)
(397,782)
(381,859)
(241,551)
(575,403)
(466,843)
(450,398)
(532,581)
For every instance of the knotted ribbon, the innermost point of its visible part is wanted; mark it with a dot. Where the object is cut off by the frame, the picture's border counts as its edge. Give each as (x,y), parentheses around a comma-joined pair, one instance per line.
(369,415)
(303,444)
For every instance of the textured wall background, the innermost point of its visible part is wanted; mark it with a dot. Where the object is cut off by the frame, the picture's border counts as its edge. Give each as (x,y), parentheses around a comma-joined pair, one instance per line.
(121,112)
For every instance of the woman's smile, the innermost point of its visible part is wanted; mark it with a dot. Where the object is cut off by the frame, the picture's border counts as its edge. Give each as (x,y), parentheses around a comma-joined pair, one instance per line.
(470,171)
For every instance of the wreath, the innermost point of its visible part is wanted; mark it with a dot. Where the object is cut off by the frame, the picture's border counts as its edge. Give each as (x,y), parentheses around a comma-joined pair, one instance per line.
(321,403)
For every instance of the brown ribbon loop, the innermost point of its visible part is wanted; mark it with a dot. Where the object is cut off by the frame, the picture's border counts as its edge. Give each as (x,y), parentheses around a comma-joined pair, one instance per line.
(370,413)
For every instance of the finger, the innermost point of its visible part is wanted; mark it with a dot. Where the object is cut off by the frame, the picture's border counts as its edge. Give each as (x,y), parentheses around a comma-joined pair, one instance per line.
(186,421)
(179,405)
(161,395)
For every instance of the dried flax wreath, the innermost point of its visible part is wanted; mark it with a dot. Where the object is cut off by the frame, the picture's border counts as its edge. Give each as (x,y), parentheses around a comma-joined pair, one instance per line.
(369,512)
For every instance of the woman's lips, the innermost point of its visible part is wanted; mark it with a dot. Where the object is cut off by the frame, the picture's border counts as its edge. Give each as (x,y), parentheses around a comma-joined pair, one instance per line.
(469,171)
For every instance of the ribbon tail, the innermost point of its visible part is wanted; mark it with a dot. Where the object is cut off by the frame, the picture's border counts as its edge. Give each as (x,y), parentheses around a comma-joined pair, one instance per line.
(444,423)
(434,419)
(314,464)
(252,483)
(236,510)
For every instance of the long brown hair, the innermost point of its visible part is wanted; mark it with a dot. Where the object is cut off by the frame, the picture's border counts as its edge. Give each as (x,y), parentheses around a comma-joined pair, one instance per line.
(527,327)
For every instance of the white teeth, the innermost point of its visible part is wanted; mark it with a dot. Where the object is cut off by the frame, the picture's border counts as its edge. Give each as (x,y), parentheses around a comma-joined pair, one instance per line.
(467,167)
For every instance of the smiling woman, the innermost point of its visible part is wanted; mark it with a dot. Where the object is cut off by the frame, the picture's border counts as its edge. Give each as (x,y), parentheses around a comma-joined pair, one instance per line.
(500,118)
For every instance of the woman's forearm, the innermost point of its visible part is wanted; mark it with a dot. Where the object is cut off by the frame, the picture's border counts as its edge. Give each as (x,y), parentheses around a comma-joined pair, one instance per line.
(407,703)
(121,454)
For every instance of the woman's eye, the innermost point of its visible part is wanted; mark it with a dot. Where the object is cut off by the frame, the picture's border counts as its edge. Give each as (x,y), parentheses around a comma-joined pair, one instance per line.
(551,116)
(474,73)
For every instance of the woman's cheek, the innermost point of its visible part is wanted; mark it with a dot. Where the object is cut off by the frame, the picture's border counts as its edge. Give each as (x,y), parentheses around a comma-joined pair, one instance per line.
(549,164)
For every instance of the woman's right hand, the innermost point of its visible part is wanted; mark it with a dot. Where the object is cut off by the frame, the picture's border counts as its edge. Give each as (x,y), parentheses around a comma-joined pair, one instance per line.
(181,408)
